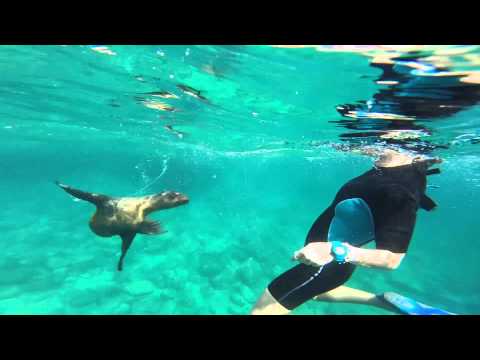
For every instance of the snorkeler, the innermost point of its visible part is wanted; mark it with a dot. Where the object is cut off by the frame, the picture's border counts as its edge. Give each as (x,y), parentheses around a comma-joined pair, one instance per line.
(379,206)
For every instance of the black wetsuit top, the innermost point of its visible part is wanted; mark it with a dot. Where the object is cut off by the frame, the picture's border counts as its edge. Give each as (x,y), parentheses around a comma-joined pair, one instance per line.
(394,195)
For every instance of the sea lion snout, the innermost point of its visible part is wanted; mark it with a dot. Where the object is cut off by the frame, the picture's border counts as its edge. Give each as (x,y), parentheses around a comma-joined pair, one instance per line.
(182,199)
(168,199)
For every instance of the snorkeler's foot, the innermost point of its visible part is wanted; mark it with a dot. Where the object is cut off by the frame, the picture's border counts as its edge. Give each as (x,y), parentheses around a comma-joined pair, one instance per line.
(382,301)
(411,307)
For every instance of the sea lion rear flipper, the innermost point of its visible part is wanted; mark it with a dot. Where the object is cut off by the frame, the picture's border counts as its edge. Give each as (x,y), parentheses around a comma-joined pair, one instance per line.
(96,199)
(127,240)
(150,227)
(427,204)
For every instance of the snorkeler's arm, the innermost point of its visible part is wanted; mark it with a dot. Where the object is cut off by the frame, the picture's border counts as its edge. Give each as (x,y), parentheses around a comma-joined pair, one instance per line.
(378,258)
(319,254)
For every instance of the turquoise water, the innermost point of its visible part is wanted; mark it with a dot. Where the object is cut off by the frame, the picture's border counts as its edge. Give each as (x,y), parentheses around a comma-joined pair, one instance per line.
(257,159)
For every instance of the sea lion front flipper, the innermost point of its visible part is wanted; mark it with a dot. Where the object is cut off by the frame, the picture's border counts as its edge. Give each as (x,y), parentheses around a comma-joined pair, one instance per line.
(150,227)
(427,204)
(127,240)
(96,199)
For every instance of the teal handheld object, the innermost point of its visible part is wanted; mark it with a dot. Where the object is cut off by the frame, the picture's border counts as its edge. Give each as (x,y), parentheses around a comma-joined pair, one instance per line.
(353,223)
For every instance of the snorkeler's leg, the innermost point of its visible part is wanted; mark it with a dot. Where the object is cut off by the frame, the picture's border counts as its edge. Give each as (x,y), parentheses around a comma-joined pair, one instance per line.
(299,285)
(268,305)
(354,296)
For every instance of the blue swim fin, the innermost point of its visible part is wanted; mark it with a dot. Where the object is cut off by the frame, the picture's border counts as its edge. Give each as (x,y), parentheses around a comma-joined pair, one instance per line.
(411,307)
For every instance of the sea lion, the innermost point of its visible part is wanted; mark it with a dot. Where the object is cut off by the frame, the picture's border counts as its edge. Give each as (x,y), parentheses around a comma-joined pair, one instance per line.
(126,216)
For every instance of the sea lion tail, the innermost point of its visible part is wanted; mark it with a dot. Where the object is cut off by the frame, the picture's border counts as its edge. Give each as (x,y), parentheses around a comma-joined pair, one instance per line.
(96,199)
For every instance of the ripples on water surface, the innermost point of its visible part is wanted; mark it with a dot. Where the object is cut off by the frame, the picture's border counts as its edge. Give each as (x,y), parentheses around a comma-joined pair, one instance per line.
(259,137)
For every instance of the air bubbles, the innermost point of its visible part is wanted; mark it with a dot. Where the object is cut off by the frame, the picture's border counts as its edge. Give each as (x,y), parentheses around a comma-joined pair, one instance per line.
(187,52)
(160,53)
(171,76)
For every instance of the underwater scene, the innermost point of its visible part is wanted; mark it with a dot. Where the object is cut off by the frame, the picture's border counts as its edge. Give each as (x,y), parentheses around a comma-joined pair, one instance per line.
(233,152)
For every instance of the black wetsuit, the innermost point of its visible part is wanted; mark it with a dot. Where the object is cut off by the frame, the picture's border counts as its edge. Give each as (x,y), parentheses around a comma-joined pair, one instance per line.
(394,195)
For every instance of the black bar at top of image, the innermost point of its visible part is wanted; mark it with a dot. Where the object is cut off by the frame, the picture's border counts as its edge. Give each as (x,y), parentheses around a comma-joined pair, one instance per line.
(238,24)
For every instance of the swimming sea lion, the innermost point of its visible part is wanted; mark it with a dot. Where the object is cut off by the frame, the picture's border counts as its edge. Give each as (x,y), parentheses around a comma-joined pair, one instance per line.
(126,216)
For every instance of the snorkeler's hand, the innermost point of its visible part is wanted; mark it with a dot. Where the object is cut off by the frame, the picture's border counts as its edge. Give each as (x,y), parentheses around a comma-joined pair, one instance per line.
(314,254)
